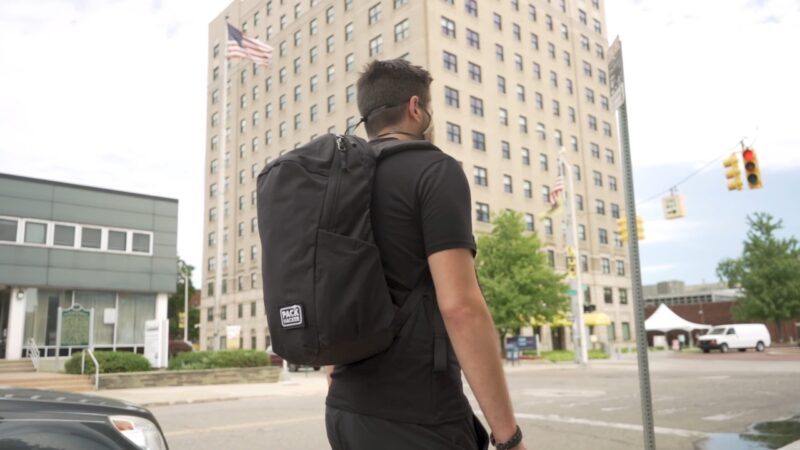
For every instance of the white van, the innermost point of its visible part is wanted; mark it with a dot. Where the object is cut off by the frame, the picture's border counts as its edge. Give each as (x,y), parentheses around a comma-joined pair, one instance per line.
(740,336)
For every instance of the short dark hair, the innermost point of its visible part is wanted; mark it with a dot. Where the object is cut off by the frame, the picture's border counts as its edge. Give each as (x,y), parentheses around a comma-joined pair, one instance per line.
(388,83)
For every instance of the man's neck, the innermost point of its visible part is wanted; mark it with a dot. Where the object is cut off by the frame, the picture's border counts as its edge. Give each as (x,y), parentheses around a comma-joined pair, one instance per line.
(396,134)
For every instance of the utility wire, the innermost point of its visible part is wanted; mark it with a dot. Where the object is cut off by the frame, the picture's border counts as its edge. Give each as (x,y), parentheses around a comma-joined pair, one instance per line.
(691,175)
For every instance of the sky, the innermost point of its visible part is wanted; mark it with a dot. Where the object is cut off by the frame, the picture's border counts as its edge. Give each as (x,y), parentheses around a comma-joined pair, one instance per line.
(111,93)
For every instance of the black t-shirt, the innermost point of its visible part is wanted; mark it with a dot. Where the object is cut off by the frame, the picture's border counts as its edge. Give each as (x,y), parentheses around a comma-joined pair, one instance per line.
(421,205)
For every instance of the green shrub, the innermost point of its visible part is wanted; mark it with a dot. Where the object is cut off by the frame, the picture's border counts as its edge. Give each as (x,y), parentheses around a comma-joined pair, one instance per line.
(563,355)
(219,359)
(110,362)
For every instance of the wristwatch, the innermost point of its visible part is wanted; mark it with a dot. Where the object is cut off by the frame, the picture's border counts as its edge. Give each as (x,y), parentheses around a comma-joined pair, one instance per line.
(509,444)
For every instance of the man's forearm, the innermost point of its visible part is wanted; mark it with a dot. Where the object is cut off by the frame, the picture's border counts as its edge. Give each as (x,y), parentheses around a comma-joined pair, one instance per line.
(475,341)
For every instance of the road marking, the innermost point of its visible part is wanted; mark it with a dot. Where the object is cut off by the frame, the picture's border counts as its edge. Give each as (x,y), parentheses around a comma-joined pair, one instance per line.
(620,426)
(725,416)
(241,426)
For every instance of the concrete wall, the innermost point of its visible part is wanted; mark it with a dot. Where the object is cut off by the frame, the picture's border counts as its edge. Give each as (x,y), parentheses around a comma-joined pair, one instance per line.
(189,377)
(77,269)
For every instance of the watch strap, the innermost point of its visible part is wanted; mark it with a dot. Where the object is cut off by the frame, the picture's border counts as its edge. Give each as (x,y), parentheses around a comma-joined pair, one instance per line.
(515,440)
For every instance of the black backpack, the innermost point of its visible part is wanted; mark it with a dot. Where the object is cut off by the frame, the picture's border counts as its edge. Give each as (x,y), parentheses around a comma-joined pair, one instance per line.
(325,294)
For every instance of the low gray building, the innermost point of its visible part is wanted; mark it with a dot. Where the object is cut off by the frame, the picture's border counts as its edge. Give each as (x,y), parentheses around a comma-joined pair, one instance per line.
(61,245)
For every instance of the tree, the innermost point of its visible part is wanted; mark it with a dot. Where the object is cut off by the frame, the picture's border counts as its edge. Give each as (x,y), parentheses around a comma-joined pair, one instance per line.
(175,305)
(517,281)
(768,272)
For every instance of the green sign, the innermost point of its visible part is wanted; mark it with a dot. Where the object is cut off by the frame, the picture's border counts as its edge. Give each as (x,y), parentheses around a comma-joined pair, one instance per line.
(75,326)
(572,292)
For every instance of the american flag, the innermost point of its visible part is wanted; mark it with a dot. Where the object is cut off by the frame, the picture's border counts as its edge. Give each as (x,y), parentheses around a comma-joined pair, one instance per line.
(241,46)
(555,192)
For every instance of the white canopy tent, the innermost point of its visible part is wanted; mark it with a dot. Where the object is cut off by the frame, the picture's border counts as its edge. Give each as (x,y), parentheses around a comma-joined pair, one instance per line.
(665,320)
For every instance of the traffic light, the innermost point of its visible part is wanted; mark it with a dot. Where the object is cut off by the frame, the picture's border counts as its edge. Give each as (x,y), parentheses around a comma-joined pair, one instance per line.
(572,266)
(751,169)
(733,174)
(181,319)
(639,228)
(622,228)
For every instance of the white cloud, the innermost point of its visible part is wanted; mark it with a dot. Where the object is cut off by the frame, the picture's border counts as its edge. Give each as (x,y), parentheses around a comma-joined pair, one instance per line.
(702,75)
(109,94)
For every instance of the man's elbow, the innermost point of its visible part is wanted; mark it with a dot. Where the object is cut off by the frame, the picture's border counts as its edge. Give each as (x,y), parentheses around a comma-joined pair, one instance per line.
(463,311)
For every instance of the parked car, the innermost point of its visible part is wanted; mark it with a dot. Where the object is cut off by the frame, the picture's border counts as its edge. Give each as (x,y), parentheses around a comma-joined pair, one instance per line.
(40,419)
(276,360)
(739,336)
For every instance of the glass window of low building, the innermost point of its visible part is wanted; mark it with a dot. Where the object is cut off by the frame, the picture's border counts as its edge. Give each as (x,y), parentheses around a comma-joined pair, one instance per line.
(117,240)
(8,230)
(35,232)
(141,242)
(64,235)
(90,237)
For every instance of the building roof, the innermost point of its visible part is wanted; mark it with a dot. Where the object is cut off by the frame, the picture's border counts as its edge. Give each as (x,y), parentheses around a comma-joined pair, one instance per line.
(81,186)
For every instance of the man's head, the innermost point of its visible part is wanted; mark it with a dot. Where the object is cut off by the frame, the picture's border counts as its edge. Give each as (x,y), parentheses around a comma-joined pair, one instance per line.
(394,95)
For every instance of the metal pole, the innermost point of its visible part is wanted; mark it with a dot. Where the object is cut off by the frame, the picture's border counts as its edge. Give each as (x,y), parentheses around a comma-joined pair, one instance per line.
(578,328)
(185,304)
(636,280)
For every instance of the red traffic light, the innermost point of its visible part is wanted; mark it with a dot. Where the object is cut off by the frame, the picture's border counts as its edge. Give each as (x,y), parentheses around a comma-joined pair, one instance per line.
(748,155)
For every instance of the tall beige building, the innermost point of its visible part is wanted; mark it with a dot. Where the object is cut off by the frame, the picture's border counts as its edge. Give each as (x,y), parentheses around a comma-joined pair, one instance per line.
(514,81)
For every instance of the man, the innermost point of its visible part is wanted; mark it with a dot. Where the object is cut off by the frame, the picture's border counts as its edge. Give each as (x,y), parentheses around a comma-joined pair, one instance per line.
(421,215)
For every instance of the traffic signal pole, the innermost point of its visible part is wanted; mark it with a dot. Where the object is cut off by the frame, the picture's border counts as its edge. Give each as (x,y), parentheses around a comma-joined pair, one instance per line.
(579,337)
(618,92)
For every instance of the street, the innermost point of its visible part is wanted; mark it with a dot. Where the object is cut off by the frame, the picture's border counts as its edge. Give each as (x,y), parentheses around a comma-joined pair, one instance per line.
(559,406)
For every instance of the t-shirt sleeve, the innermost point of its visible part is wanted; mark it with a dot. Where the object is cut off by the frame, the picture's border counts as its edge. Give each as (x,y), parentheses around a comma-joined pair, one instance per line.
(445,207)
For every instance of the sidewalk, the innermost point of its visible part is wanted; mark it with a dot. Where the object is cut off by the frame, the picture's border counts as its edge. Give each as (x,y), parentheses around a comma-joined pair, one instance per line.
(297,385)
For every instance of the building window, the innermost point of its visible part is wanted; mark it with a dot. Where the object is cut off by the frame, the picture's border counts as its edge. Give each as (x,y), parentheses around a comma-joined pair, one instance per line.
(375,13)
(615,211)
(90,237)
(607,129)
(473,39)
(448,27)
(499,53)
(516,32)
(543,163)
(526,156)
(450,61)
(523,124)
(537,71)
(598,178)
(621,268)
(603,236)
(520,93)
(612,183)
(471,6)
(503,117)
(478,141)
(399,3)
(451,97)
(582,232)
(329,44)
(626,330)
(601,76)
(608,295)
(553,79)
(498,21)
(623,296)
(350,93)
(600,207)
(481,177)
(453,133)
(474,72)
(584,263)
(587,69)
(401,31)
(482,212)
(348,32)
(330,73)
(527,189)
(505,149)
(551,258)
(605,265)
(548,226)
(529,222)
(376,46)
(576,172)
(508,184)
(476,106)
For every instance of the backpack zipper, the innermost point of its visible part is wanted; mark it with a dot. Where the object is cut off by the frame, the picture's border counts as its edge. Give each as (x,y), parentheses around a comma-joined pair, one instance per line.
(337,180)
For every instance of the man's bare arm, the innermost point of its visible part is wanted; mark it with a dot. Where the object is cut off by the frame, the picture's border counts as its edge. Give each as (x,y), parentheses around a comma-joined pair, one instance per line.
(472,333)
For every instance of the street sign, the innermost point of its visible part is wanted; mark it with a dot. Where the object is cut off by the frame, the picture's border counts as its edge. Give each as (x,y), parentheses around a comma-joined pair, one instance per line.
(616,77)
(673,207)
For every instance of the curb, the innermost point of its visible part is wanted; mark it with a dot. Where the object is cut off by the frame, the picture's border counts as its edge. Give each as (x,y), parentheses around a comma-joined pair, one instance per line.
(793,446)
(187,402)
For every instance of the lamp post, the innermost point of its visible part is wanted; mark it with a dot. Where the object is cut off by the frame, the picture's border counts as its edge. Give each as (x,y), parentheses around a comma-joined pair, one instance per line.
(184,271)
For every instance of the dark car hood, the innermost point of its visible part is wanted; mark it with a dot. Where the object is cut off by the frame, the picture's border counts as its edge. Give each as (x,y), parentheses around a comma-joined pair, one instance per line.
(16,400)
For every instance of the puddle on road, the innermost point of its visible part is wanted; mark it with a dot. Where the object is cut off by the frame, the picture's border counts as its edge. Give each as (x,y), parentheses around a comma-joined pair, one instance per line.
(760,436)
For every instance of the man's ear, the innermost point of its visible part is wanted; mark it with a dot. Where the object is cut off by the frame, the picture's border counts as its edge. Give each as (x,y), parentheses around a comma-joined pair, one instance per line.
(414,108)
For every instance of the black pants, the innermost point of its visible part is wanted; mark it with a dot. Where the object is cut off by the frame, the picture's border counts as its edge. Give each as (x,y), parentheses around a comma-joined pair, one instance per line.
(350,431)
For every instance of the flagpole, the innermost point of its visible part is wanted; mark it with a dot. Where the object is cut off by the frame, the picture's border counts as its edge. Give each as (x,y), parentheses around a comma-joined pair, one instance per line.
(578,326)
(221,193)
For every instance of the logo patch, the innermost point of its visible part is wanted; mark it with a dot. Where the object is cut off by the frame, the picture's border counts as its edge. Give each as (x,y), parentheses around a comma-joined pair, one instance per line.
(292,316)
